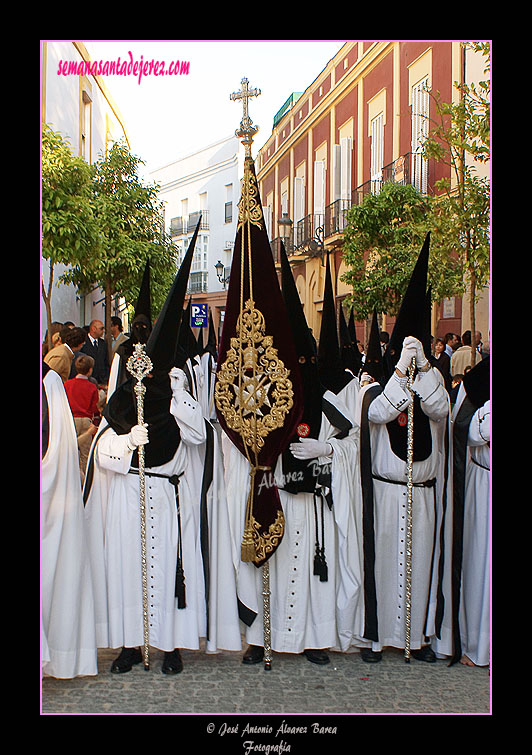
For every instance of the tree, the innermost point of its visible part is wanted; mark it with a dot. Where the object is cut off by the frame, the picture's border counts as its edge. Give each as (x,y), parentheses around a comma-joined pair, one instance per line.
(382,241)
(69,232)
(460,138)
(130,232)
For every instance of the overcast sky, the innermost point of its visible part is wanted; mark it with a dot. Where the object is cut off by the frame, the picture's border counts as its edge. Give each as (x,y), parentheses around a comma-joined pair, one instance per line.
(172,116)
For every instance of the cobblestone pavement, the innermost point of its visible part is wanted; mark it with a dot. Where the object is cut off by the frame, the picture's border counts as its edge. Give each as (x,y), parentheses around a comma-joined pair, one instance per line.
(220,685)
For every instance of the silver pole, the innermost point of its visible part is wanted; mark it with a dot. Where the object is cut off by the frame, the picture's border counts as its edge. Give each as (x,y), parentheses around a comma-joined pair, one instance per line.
(139,365)
(409,501)
(266,616)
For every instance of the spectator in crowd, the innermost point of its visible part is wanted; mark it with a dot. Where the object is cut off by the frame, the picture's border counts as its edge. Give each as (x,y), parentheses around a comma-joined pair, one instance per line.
(55,327)
(96,347)
(456,382)
(442,361)
(60,357)
(83,398)
(452,342)
(464,356)
(117,333)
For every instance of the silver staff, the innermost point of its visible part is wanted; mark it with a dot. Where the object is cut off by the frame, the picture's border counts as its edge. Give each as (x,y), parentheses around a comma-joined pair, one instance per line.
(266,613)
(409,499)
(139,365)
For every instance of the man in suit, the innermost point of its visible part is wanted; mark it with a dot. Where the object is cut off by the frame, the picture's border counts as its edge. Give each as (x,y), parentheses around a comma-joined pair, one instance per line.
(96,347)
(60,357)
(117,332)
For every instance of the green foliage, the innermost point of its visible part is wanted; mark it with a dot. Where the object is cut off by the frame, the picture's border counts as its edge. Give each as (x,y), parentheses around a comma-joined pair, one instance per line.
(68,223)
(385,233)
(382,241)
(129,232)
(460,138)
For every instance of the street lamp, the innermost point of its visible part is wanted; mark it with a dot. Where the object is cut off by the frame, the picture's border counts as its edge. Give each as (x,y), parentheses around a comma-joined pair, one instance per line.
(285,229)
(220,267)
(315,245)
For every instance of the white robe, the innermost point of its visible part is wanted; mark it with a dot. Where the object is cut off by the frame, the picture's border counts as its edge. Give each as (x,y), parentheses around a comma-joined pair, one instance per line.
(113,515)
(475,592)
(390,508)
(68,631)
(305,612)
(474,614)
(202,371)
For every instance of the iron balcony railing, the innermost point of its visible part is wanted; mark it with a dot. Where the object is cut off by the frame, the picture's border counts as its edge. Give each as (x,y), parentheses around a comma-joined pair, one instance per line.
(408,169)
(180,226)
(411,169)
(336,217)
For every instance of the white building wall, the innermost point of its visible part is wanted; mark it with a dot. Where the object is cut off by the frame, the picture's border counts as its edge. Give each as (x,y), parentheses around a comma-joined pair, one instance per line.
(200,179)
(61,111)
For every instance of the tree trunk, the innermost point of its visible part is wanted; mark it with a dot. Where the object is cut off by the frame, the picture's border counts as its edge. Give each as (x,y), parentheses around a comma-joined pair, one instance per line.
(108,334)
(472,291)
(48,304)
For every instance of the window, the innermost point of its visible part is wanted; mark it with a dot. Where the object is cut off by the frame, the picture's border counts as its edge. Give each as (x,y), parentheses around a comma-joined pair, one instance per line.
(420,120)
(197,283)
(228,208)
(377,152)
(299,197)
(342,169)
(86,125)
(319,187)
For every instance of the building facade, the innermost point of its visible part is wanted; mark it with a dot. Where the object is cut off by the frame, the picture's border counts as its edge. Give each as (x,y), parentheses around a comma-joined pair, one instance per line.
(358,124)
(77,105)
(207,184)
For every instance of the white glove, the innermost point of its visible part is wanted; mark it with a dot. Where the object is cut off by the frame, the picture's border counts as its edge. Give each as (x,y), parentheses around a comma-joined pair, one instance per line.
(309,448)
(365,378)
(421,359)
(408,353)
(137,436)
(178,380)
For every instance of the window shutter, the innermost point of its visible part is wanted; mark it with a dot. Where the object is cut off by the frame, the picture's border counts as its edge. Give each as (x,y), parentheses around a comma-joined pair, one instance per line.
(337,172)
(319,187)
(377,152)
(345,175)
(420,112)
(267,212)
(299,199)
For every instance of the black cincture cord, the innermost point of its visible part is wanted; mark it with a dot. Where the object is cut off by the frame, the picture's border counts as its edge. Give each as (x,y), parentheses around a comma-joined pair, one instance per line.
(320,564)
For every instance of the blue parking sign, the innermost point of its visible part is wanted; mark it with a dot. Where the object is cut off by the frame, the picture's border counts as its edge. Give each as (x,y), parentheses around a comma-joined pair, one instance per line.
(198,316)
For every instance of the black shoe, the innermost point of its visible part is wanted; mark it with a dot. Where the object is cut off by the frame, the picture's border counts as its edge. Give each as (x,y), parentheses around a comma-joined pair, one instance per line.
(317,656)
(172,663)
(425,653)
(126,660)
(254,654)
(370,656)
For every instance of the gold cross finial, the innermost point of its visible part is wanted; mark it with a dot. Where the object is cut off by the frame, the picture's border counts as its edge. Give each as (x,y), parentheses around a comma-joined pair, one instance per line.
(247,130)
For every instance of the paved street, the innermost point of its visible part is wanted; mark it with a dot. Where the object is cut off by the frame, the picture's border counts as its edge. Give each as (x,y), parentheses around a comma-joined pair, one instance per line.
(220,684)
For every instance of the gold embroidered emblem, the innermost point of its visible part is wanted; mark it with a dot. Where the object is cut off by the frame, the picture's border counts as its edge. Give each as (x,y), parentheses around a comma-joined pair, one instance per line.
(253,390)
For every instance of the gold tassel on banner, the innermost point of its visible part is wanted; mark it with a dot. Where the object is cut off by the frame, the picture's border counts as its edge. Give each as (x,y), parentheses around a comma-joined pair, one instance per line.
(248,547)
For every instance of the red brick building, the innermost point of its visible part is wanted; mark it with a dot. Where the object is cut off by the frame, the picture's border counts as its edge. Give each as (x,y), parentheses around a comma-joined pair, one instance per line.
(357,125)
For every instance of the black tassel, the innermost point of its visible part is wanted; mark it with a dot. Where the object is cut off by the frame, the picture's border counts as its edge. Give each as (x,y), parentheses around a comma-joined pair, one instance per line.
(317,561)
(180,585)
(324,569)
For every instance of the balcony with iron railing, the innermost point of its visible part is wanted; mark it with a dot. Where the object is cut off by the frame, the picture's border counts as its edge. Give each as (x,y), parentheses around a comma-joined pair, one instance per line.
(301,237)
(182,225)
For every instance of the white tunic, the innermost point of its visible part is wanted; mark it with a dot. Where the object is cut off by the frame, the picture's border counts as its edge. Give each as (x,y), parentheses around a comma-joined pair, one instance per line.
(390,512)
(113,513)
(68,632)
(305,612)
(475,593)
